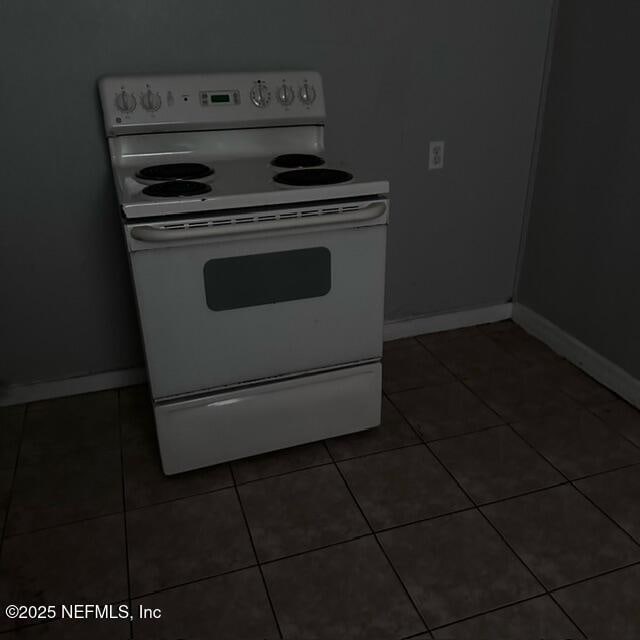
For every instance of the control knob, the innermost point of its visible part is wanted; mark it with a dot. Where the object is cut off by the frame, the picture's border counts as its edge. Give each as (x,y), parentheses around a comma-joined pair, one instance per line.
(260,94)
(307,93)
(125,102)
(150,100)
(285,95)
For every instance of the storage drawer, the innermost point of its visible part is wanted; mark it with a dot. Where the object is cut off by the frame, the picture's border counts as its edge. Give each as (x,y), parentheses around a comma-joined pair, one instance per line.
(225,426)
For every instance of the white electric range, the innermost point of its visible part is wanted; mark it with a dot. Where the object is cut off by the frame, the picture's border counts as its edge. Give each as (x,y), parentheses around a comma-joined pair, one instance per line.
(258,262)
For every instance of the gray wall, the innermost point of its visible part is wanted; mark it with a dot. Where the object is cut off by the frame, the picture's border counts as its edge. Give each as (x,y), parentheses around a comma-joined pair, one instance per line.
(581,267)
(397,74)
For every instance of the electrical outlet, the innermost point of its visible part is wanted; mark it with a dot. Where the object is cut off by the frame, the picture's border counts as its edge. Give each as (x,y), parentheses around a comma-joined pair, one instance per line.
(436,154)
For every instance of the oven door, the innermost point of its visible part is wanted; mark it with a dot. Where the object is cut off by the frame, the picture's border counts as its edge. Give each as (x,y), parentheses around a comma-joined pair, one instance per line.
(222,306)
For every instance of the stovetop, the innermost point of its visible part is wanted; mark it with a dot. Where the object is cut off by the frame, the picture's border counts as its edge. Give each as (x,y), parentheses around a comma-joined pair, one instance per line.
(192,143)
(173,187)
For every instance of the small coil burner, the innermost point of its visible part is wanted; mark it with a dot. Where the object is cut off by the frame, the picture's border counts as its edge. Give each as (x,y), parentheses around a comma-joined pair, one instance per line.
(297,160)
(312,177)
(175,171)
(176,188)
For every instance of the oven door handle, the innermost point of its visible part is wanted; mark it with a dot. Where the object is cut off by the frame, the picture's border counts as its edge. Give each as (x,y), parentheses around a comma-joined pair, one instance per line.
(148,233)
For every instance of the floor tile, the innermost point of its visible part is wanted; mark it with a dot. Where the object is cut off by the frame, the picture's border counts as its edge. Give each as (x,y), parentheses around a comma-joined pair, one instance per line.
(400,342)
(6,481)
(578,443)
(82,404)
(447,410)
(473,355)
(530,620)
(578,385)
(521,394)
(74,629)
(230,606)
(70,488)
(605,607)
(136,416)
(497,327)
(83,562)
(346,591)
(397,487)
(622,417)
(495,464)
(134,397)
(394,432)
(617,493)
(457,566)
(561,536)
(145,482)
(11,420)
(185,540)
(67,425)
(281,461)
(524,346)
(409,366)
(300,511)
(440,337)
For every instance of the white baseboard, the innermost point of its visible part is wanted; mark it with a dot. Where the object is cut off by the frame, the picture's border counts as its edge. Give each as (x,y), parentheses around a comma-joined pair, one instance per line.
(590,361)
(20,393)
(395,329)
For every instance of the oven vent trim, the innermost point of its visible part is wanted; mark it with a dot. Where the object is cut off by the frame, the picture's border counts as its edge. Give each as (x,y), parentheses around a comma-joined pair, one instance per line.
(258,218)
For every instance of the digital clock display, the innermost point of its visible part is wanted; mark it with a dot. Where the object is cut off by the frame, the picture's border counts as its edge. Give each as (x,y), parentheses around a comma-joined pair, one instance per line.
(213,98)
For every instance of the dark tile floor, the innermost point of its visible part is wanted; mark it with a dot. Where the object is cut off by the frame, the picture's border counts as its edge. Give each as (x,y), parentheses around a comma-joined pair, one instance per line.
(500,498)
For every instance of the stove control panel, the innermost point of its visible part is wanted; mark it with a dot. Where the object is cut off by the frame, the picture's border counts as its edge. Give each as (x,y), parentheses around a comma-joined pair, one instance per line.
(137,104)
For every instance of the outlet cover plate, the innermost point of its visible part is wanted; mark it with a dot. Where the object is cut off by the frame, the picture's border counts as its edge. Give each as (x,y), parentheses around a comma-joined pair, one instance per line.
(436,154)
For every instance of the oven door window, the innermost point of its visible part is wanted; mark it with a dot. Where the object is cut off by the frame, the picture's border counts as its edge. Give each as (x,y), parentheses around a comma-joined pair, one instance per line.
(267,278)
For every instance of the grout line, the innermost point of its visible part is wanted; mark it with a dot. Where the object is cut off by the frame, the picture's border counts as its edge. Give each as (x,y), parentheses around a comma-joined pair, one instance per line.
(255,553)
(383,551)
(489,611)
(12,483)
(284,473)
(596,576)
(63,524)
(430,385)
(602,473)
(464,433)
(124,508)
(610,427)
(417,635)
(179,585)
(604,513)
(297,554)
